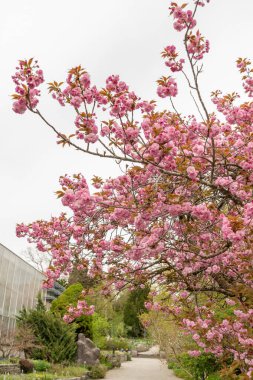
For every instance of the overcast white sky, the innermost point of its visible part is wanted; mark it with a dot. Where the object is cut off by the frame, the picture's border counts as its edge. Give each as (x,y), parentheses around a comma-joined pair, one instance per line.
(106,37)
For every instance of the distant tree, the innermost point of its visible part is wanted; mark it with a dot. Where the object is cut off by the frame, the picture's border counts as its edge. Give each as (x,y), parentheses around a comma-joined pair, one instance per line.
(133,308)
(39,260)
(7,341)
(80,276)
(26,341)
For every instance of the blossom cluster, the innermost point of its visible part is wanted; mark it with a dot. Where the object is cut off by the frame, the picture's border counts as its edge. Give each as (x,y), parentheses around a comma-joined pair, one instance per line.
(183,19)
(197,46)
(244,65)
(171,55)
(167,87)
(74,312)
(27,78)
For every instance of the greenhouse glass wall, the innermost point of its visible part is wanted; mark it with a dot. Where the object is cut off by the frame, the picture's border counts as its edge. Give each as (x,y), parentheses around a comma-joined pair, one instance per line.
(20,284)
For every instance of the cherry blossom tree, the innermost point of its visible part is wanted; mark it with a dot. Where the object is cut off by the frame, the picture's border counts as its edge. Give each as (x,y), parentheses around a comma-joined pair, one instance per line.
(180,216)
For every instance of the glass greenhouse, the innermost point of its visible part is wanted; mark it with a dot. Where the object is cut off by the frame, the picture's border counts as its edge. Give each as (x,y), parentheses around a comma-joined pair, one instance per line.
(19,287)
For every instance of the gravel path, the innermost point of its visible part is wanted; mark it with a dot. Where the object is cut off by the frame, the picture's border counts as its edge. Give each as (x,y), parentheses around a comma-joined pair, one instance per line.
(141,369)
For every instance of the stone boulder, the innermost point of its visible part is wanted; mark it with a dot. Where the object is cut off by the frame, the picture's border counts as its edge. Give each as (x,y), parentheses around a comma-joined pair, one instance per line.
(87,352)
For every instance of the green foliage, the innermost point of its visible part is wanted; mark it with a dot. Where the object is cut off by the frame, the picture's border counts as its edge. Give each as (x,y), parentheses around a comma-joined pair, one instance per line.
(40,304)
(106,361)
(70,297)
(197,368)
(41,365)
(117,344)
(97,371)
(118,328)
(56,340)
(100,329)
(223,311)
(182,373)
(26,366)
(214,376)
(13,359)
(134,306)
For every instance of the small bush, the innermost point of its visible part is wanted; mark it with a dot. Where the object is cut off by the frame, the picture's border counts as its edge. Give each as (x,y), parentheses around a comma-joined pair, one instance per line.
(110,361)
(97,371)
(41,365)
(117,361)
(201,366)
(171,365)
(197,368)
(106,361)
(129,357)
(26,366)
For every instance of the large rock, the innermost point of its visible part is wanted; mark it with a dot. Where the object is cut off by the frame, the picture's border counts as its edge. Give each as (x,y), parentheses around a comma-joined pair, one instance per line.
(87,352)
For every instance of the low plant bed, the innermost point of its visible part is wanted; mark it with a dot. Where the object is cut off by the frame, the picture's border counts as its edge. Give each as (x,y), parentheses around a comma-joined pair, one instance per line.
(49,372)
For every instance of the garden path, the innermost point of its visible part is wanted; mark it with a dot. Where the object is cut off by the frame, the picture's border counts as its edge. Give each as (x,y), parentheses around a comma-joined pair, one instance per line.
(140,369)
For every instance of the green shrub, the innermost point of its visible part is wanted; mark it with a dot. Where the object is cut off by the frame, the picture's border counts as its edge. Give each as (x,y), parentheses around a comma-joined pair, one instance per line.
(197,368)
(97,371)
(26,366)
(70,297)
(201,366)
(171,365)
(106,361)
(110,361)
(56,340)
(41,365)
(129,357)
